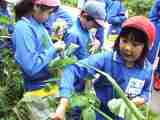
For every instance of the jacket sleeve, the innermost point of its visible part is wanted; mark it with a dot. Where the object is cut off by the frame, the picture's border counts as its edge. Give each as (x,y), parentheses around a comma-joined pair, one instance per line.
(79,71)
(27,55)
(116,13)
(153,15)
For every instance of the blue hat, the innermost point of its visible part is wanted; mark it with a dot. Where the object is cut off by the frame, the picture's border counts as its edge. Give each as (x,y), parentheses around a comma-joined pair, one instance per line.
(96,10)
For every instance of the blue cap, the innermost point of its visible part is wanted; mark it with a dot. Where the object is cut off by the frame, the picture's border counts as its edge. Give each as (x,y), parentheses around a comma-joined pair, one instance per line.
(96,9)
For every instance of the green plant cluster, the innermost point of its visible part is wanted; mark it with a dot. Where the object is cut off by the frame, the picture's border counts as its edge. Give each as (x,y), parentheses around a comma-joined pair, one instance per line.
(70,2)
(85,101)
(138,7)
(4,20)
(11,88)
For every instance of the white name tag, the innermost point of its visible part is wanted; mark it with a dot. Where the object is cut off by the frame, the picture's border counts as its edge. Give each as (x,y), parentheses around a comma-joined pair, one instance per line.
(135,86)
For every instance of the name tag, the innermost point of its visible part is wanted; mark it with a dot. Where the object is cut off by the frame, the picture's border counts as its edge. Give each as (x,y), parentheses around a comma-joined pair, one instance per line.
(135,86)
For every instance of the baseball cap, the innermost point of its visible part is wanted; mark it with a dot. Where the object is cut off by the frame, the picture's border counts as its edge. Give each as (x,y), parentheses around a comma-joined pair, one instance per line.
(96,9)
(144,24)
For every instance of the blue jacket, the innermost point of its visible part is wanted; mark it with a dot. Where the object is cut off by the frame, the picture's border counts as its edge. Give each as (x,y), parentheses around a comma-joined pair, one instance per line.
(7,12)
(155,18)
(79,36)
(60,13)
(115,15)
(113,64)
(33,50)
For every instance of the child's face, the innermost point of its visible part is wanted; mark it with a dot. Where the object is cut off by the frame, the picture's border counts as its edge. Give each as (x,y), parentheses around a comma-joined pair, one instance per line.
(130,50)
(88,22)
(42,16)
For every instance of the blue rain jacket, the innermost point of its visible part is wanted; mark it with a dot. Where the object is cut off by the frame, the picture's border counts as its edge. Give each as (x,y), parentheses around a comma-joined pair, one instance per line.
(33,50)
(7,12)
(113,64)
(79,36)
(115,15)
(154,16)
(60,13)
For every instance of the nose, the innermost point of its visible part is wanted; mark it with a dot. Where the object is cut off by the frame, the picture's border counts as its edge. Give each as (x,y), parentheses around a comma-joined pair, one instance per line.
(128,47)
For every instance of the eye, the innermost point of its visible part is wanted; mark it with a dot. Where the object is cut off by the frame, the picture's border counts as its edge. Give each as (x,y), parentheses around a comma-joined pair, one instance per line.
(136,44)
(124,40)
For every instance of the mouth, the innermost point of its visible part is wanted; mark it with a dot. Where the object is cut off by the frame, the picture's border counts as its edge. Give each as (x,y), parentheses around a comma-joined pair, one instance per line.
(127,55)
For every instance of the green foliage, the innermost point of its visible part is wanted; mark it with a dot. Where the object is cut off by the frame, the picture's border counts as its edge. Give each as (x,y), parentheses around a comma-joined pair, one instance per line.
(88,114)
(61,63)
(4,20)
(79,100)
(70,2)
(85,101)
(57,65)
(138,7)
(11,88)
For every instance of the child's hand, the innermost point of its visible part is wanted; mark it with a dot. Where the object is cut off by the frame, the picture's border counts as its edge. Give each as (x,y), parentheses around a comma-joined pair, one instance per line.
(60,112)
(60,45)
(139,101)
(95,45)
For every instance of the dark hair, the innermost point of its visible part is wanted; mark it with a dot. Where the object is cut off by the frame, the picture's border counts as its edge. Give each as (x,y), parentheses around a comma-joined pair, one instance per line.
(26,6)
(3,4)
(88,17)
(139,36)
(23,8)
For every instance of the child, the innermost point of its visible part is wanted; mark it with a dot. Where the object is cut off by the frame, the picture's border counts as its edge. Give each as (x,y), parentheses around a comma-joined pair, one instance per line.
(100,30)
(92,16)
(115,11)
(32,44)
(33,51)
(126,63)
(154,16)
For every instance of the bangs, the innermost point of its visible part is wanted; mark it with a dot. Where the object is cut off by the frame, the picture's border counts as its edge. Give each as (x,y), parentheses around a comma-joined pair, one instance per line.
(134,35)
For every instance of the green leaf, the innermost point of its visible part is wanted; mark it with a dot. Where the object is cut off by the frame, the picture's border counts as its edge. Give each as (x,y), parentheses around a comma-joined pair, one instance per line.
(88,114)
(60,63)
(78,100)
(4,20)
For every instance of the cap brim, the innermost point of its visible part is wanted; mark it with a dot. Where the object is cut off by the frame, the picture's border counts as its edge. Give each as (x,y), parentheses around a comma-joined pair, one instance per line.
(100,22)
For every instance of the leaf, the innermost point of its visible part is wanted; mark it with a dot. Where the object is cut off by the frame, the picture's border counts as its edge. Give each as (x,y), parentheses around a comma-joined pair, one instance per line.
(60,63)
(4,20)
(88,114)
(78,100)
(70,49)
